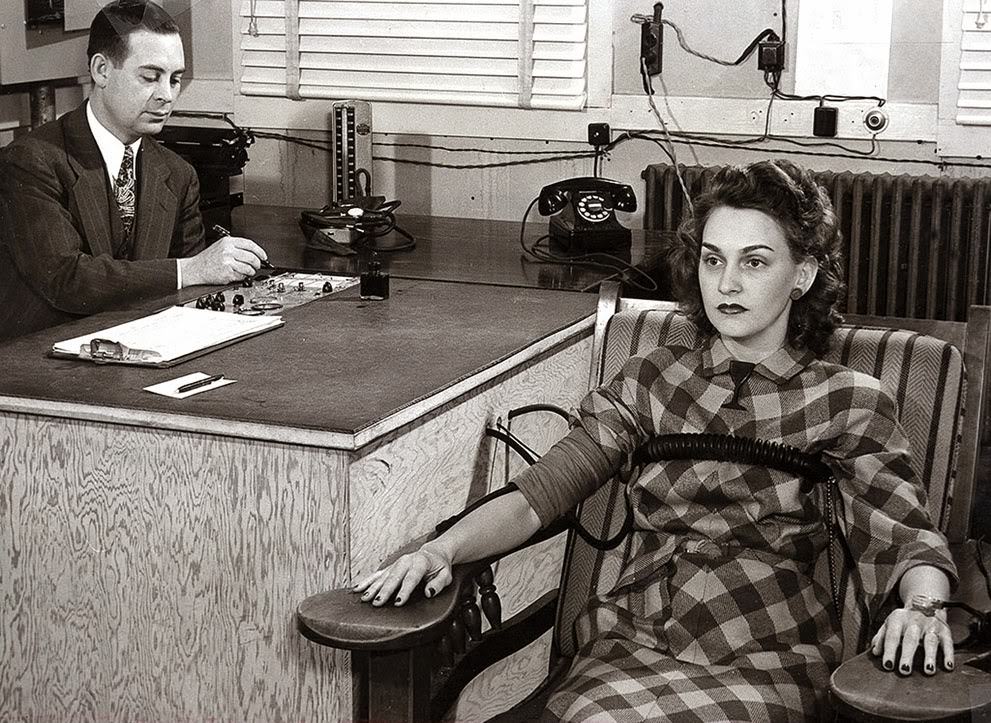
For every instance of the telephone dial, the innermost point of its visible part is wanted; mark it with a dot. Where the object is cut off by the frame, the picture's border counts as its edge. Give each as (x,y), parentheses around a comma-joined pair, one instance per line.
(583,213)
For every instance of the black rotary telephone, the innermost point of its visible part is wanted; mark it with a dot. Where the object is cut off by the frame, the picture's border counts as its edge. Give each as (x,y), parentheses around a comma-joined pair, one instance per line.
(583,213)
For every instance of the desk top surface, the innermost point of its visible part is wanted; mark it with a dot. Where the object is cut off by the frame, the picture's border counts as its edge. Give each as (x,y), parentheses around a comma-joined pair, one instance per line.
(453,249)
(339,364)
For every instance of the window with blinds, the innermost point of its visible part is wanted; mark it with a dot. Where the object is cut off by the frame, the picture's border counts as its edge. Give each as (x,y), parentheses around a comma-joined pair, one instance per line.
(522,53)
(974,86)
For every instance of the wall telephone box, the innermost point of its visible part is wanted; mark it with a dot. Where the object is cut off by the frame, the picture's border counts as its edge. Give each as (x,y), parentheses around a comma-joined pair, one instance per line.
(583,214)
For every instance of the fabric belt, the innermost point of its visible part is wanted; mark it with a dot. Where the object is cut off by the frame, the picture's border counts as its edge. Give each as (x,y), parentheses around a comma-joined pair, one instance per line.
(710,549)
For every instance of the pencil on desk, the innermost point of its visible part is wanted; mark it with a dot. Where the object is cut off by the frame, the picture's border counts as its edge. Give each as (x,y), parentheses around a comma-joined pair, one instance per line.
(206,381)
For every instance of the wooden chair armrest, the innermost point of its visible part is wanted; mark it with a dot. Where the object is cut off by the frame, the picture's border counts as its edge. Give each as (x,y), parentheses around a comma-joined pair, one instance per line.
(864,691)
(339,619)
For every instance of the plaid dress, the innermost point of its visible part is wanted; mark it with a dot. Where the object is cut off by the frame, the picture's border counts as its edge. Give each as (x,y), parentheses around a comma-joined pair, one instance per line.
(716,615)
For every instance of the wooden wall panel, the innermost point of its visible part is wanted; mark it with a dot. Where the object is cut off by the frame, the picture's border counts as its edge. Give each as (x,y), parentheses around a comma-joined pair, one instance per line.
(153,575)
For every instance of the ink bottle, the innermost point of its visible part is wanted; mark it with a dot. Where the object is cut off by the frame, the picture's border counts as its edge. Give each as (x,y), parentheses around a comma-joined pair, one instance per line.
(374,283)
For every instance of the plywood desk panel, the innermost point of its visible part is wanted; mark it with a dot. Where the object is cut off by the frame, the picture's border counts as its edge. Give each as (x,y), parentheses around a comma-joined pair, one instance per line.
(154,549)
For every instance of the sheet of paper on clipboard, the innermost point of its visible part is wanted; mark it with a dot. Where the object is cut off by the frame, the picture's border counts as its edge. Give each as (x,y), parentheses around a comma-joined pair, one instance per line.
(166,337)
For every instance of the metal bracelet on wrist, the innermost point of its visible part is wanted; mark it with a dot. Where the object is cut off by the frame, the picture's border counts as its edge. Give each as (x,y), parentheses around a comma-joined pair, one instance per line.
(926,604)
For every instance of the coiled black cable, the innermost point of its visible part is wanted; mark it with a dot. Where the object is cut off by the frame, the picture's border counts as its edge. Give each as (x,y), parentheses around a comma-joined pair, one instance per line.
(728,448)
(718,448)
(369,219)
(810,468)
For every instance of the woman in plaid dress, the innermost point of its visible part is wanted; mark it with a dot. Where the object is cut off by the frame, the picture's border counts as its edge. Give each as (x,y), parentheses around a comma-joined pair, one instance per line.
(716,615)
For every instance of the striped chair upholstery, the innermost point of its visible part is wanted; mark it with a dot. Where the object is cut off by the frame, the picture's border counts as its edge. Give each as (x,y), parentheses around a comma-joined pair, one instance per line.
(925,376)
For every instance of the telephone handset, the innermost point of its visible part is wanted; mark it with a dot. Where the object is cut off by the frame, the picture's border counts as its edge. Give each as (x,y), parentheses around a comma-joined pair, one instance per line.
(585,211)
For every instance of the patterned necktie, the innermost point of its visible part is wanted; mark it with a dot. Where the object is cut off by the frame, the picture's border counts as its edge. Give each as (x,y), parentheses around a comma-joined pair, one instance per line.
(124,191)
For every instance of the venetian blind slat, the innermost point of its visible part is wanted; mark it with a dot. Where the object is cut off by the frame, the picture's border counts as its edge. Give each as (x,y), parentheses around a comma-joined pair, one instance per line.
(974,82)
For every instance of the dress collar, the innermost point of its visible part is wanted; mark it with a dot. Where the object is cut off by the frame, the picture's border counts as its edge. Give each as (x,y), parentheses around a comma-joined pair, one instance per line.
(781,366)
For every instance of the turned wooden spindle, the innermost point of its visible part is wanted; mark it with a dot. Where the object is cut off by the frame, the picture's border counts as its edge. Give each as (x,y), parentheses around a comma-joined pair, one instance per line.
(491,605)
(472,617)
(458,631)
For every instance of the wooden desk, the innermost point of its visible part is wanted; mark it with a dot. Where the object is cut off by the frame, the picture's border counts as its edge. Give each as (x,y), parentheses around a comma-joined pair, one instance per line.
(450,249)
(154,549)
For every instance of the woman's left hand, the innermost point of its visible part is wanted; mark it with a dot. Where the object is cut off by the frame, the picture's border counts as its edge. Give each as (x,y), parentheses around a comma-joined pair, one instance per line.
(901,634)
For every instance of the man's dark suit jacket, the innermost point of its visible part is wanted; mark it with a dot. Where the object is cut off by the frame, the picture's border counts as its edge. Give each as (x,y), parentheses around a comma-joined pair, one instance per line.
(59,227)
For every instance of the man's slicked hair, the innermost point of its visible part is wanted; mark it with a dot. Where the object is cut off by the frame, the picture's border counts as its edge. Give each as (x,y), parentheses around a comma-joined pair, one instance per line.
(116,20)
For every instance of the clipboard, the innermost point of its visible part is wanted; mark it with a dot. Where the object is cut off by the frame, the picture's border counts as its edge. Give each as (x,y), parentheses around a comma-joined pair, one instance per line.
(165,338)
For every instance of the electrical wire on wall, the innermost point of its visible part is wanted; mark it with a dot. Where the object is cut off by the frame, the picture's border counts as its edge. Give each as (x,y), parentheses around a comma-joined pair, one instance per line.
(765,34)
(671,136)
(649,135)
(771,80)
(668,146)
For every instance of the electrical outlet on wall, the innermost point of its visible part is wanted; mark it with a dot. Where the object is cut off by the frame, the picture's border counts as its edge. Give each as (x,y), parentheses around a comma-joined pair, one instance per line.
(824,120)
(771,55)
(598,134)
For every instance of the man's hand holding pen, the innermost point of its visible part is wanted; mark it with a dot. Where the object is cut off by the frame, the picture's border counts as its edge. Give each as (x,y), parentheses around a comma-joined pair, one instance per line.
(229,259)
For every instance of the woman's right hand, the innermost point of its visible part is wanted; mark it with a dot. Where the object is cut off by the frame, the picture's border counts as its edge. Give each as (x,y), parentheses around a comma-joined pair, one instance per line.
(428,565)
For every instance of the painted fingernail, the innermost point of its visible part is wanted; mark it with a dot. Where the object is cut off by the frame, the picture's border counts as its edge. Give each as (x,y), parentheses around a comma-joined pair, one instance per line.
(399,600)
(888,665)
(378,598)
(949,665)
(430,592)
(906,669)
(930,668)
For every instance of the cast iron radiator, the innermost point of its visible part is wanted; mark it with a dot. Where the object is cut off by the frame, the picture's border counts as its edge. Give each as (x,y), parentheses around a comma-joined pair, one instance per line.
(916,246)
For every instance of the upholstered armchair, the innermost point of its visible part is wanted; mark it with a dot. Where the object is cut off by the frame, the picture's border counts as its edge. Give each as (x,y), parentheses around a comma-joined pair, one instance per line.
(411,662)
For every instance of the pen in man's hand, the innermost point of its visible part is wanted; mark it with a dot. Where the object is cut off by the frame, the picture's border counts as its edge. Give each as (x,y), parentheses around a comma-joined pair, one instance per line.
(221,232)
(206,381)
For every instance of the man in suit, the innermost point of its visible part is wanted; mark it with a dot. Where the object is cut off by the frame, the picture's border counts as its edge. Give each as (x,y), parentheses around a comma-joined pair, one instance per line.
(94,213)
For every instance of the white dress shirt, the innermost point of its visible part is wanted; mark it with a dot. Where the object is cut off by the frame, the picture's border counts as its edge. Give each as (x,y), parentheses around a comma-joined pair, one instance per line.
(112,150)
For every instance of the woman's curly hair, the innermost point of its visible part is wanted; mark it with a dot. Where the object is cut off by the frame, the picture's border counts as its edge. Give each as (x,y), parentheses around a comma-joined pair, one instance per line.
(790,196)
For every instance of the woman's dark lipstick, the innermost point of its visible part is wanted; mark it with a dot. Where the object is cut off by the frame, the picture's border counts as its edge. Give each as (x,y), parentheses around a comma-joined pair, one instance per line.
(731,308)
